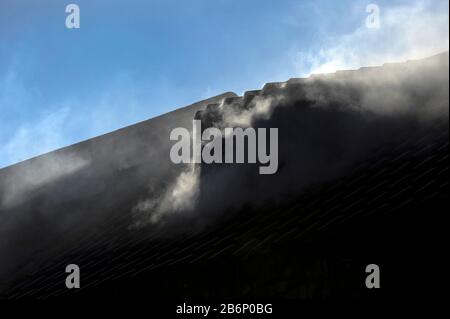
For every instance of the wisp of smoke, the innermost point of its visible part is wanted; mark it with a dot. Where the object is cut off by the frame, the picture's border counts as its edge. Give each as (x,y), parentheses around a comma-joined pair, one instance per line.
(180,196)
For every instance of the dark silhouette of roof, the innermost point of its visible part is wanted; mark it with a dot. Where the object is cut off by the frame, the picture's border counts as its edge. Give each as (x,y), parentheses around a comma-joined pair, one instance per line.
(363,174)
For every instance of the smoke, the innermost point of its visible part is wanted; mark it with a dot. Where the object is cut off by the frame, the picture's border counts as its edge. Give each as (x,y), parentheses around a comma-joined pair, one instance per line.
(179,196)
(261,108)
(412,31)
(70,195)
(327,124)
(27,179)
(393,90)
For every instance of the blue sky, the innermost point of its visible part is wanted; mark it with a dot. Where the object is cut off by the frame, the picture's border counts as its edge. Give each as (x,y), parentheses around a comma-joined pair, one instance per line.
(133,60)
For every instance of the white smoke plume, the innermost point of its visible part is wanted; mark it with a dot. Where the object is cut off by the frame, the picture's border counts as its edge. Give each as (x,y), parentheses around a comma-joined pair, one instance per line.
(407,32)
(182,194)
(179,196)
(261,108)
(27,179)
